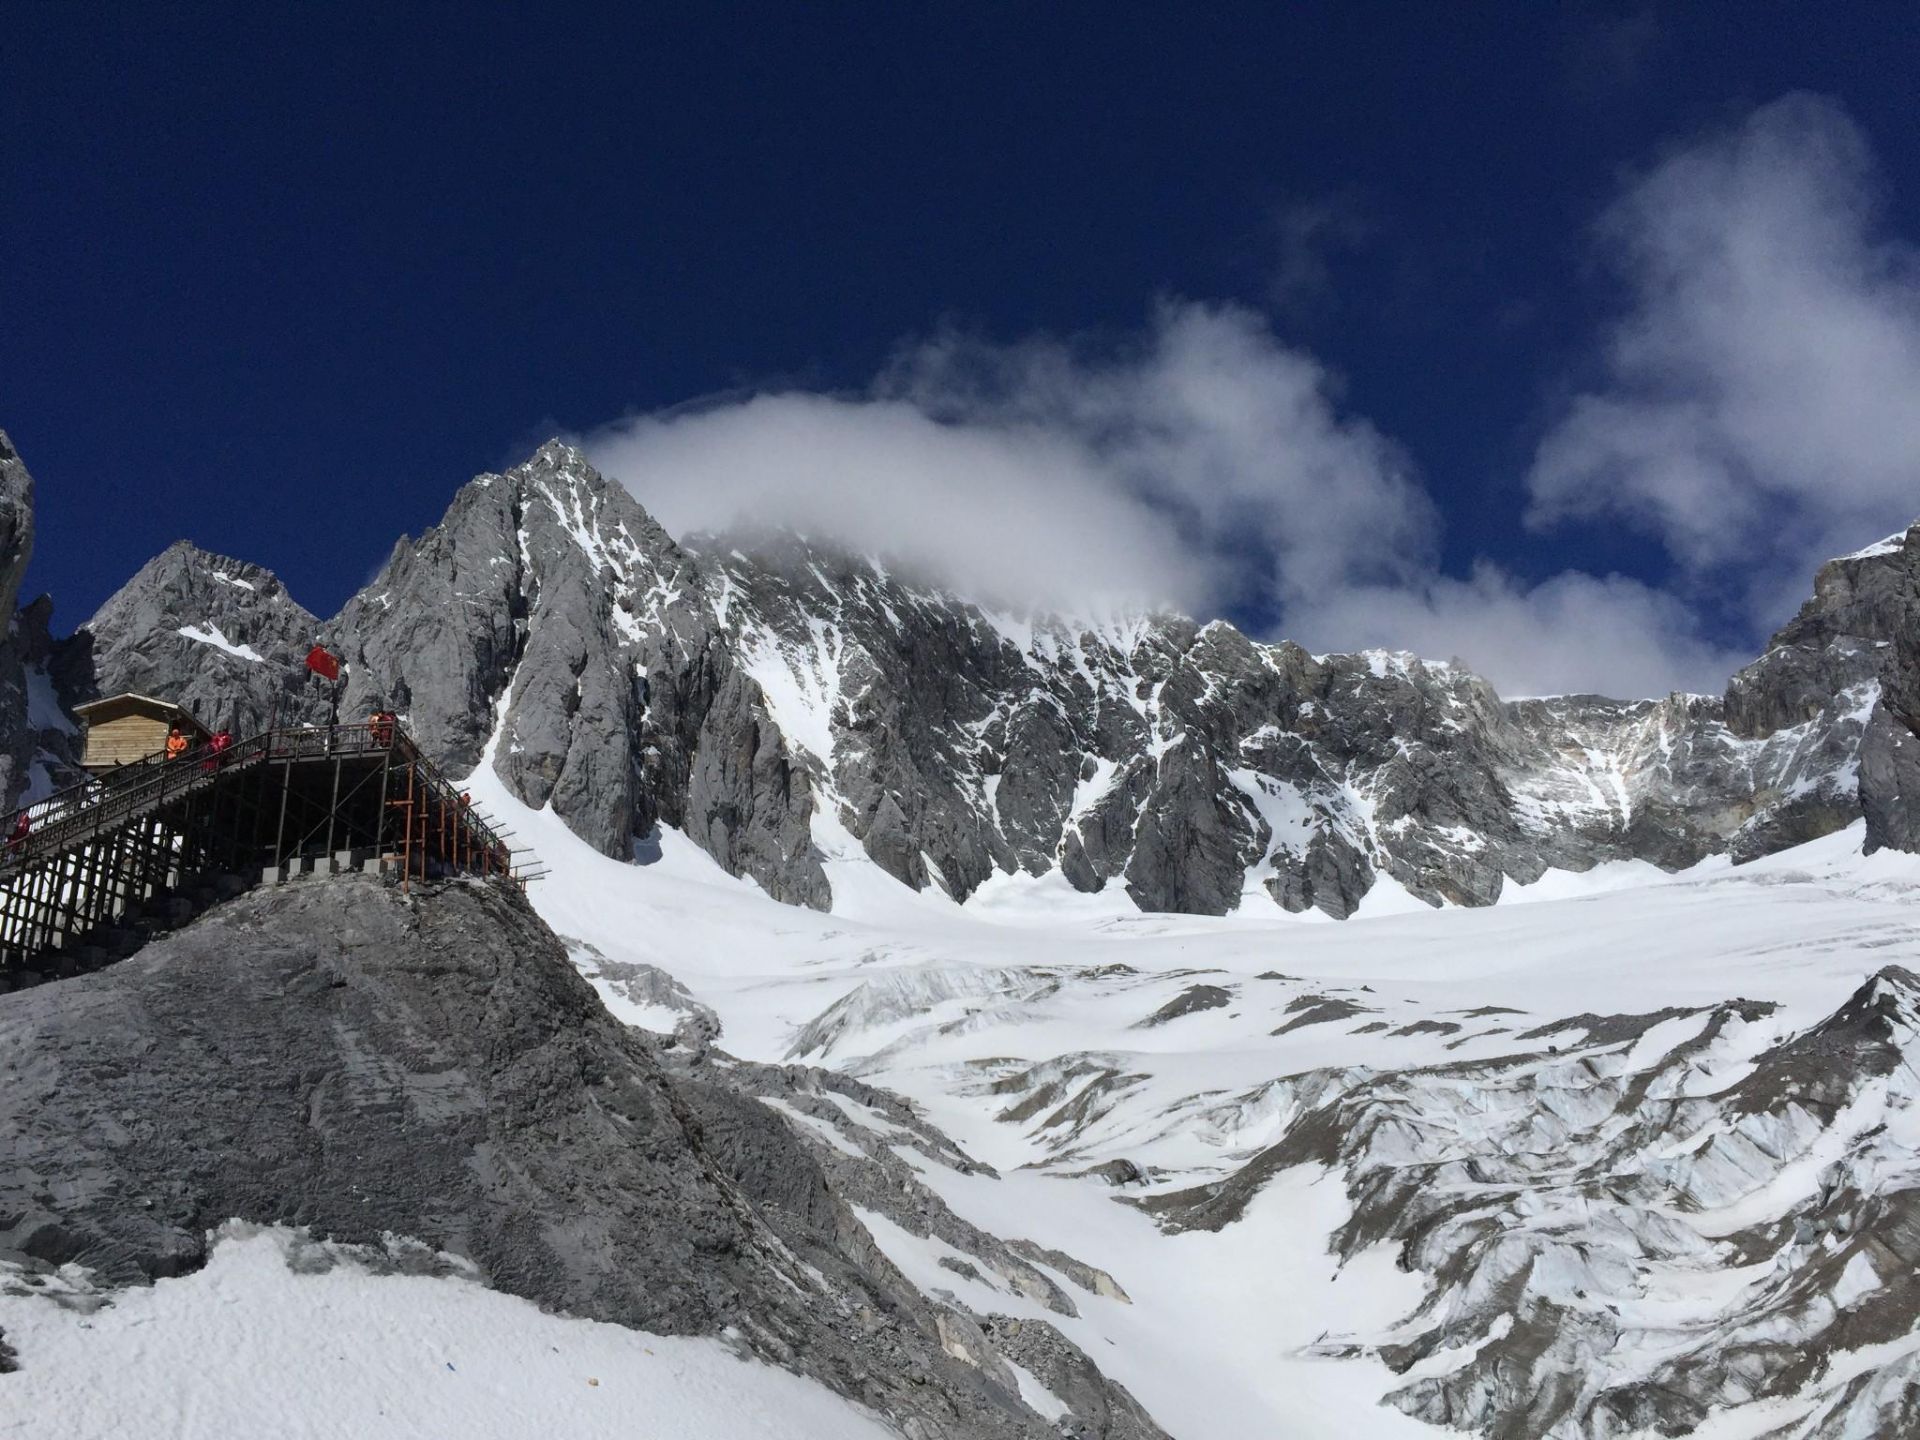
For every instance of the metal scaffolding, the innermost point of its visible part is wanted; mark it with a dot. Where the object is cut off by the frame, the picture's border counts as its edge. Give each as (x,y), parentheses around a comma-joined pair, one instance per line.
(95,870)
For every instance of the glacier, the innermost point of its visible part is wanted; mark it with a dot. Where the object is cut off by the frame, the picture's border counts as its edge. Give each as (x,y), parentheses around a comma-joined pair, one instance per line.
(1570,1137)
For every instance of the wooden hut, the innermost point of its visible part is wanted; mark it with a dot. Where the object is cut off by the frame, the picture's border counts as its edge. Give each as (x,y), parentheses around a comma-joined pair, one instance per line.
(123,729)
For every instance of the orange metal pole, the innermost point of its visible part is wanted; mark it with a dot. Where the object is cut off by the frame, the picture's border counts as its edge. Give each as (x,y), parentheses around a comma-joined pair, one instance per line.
(406,848)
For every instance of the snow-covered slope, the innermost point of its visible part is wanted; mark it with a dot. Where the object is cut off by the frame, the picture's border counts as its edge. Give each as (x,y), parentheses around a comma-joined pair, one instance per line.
(1630,1158)
(295,1338)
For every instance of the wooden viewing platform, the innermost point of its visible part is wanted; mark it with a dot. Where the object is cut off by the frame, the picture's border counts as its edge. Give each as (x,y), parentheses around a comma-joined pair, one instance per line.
(106,864)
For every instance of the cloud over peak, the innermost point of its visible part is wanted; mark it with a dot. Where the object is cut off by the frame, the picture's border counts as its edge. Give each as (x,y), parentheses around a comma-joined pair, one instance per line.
(1199,463)
(1753,411)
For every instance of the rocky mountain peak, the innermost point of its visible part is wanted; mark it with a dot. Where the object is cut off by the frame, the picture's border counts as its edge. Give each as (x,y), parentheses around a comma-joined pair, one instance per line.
(564,455)
(216,634)
(32,735)
(778,698)
(185,569)
(1854,594)
(549,613)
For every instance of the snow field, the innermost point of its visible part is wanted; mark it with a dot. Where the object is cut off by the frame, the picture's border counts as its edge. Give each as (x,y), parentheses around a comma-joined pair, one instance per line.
(256,1344)
(941,1003)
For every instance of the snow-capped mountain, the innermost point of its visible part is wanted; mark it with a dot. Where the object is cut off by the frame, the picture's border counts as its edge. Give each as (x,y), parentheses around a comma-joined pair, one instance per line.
(788,707)
(958,1047)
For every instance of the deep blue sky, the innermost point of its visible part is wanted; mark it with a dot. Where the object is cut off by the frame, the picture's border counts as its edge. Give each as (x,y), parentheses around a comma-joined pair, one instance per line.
(280,283)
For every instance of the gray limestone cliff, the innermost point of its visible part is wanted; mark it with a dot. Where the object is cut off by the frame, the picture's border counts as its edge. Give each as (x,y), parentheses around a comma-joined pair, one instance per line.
(1201,770)
(1876,596)
(217,635)
(16,549)
(550,605)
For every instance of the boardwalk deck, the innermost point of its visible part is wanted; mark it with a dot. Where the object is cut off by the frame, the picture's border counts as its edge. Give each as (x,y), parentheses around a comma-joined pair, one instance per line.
(103,865)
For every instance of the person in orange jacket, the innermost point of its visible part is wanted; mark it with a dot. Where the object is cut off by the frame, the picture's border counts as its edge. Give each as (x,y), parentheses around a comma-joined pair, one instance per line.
(176,743)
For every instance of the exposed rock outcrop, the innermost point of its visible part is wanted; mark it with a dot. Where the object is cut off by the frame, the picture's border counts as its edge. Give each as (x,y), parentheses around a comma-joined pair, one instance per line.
(339,1056)
(16,523)
(35,729)
(549,606)
(17,743)
(1197,767)
(1878,594)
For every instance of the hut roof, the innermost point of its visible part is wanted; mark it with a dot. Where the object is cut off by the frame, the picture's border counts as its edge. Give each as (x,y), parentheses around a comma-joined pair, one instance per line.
(112,707)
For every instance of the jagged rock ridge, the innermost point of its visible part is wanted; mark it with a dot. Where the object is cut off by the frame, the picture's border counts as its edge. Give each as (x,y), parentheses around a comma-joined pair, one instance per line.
(785,704)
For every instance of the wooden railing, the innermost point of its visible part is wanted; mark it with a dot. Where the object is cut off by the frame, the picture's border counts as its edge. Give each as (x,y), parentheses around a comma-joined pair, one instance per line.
(276,803)
(104,803)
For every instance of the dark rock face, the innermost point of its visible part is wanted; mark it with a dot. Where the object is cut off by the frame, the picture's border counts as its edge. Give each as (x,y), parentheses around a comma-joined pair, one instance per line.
(1332,874)
(550,604)
(1190,1001)
(505,613)
(16,549)
(1198,768)
(726,777)
(339,1056)
(16,523)
(1886,586)
(1890,782)
(771,697)
(35,731)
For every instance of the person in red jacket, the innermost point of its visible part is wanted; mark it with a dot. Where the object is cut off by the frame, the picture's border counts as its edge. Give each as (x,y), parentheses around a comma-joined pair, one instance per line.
(217,749)
(21,826)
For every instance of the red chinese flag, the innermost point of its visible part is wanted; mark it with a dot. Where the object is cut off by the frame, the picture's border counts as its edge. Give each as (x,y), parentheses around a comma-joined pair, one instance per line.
(323,663)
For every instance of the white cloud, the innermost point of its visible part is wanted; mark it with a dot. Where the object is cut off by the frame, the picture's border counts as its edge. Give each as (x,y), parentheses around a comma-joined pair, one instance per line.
(1758,408)
(1572,633)
(1008,509)
(1219,426)
(1203,465)
(1755,412)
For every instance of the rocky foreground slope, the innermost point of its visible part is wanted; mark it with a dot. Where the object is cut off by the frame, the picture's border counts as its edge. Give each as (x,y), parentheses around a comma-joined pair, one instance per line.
(371,1065)
(784,705)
